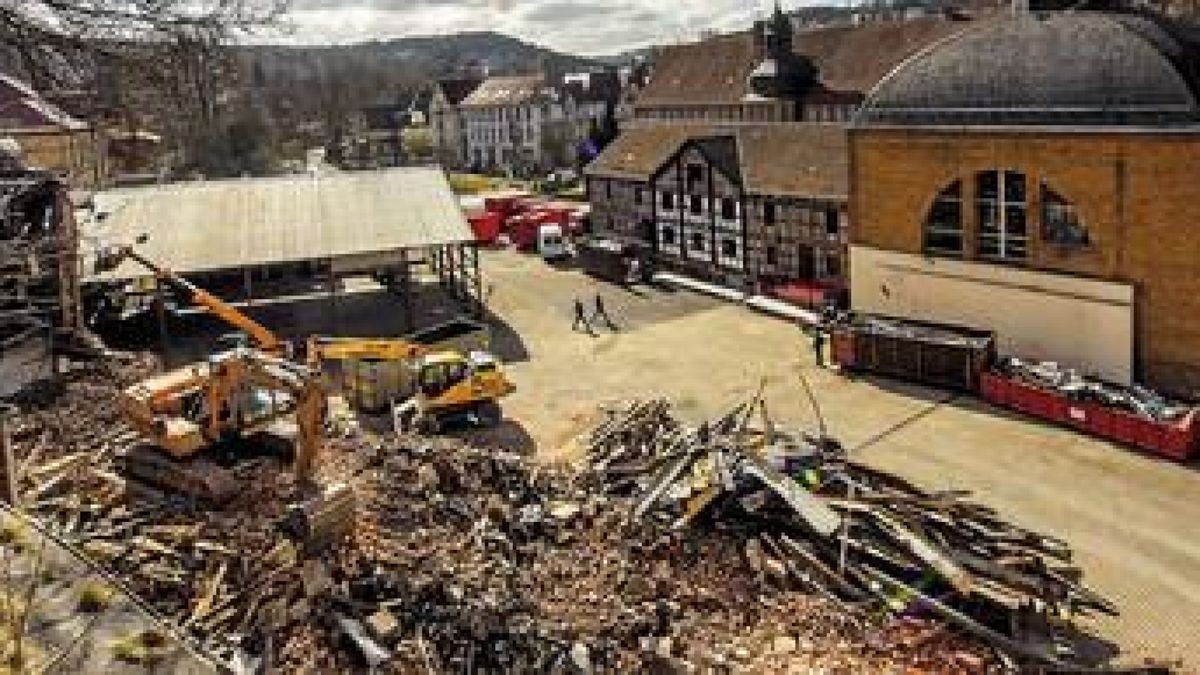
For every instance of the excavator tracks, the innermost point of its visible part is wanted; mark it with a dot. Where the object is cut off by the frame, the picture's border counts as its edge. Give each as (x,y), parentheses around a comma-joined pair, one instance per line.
(199,478)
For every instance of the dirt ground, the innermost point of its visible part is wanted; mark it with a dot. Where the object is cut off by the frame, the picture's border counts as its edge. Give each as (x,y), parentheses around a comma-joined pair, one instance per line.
(1130,518)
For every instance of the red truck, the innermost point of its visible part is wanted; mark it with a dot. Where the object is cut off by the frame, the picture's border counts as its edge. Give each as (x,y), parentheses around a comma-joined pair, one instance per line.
(486,226)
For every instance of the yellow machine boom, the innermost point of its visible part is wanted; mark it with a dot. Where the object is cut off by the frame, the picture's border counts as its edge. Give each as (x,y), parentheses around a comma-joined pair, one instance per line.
(262,337)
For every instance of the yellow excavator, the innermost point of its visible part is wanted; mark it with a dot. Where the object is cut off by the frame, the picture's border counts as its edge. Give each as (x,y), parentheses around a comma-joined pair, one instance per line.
(426,386)
(231,396)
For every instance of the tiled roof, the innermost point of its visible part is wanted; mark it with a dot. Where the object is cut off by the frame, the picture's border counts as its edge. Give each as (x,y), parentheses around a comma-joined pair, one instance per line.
(640,150)
(713,71)
(856,58)
(513,90)
(722,152)
(848,58)
(1067,68)
(801,159)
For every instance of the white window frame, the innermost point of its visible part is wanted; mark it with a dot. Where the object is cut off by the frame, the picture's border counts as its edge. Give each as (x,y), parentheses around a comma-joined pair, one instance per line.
(1003,238)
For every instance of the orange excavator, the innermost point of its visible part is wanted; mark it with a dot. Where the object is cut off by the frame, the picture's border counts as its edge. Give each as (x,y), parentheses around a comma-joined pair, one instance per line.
(226,399)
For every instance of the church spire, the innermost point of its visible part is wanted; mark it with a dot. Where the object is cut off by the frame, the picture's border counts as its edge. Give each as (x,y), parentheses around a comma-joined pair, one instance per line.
(778,33)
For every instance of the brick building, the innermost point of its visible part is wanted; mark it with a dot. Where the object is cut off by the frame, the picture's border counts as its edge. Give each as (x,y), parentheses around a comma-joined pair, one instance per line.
(1052,199)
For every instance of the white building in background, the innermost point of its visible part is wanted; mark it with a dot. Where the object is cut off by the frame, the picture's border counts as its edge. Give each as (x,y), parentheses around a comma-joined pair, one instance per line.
(446,119)
(525,125)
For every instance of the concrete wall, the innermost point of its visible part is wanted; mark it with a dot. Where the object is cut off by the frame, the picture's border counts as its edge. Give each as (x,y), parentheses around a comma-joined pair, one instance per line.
(1082,323)
(1136,192)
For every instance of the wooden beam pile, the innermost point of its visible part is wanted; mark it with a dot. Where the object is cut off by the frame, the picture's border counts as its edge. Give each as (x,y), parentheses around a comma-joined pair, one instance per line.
(858,536)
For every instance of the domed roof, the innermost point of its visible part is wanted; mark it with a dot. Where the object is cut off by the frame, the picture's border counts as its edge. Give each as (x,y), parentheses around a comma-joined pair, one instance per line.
(1068,68)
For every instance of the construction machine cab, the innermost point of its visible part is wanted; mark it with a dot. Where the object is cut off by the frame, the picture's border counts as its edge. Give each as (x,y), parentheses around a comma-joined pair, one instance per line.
(453,385)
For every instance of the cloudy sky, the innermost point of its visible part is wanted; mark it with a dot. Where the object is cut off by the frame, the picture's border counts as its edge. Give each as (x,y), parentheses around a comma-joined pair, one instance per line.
(577,26)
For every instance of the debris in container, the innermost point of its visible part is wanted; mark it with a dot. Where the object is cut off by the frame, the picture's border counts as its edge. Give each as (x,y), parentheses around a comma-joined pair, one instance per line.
(1051,376)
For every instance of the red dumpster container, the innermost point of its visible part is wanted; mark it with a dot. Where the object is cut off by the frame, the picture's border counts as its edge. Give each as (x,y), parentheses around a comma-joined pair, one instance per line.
(505,203)
(486,227)
(1173,440)
(523,230)
(1006,392)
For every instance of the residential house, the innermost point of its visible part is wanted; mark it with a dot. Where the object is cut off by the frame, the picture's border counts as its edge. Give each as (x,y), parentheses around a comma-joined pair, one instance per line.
(526,124)
(752,206)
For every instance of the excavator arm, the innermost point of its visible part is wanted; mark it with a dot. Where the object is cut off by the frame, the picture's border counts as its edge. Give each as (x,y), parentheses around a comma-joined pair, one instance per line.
(263,338)
(246,368)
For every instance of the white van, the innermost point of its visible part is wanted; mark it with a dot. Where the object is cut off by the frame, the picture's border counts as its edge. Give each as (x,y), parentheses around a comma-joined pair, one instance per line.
(552,243)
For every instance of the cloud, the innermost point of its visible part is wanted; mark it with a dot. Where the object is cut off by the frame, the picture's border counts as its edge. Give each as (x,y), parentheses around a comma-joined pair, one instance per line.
(575,26)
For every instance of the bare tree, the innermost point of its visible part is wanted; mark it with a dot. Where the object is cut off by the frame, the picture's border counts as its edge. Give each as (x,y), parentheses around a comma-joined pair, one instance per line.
(48,35)
(163,61)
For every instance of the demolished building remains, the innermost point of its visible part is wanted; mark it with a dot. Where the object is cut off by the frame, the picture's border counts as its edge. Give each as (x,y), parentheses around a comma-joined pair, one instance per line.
(39,281)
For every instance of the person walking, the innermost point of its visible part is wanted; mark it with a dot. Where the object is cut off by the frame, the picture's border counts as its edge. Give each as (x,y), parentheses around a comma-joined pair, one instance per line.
(819,344)
(581,318)
(602,313)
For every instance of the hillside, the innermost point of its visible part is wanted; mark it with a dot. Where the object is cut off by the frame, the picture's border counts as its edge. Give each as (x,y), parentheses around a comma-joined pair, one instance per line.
(405,61)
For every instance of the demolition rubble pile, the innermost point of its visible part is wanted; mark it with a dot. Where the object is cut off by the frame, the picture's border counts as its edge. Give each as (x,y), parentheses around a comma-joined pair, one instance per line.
(470,560)
(1051,376)
(865,540)
(458,559)
(210,575)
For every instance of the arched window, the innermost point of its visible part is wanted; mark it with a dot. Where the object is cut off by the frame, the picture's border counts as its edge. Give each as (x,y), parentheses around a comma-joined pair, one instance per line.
(944,226)
(1060,221)
(1001,206)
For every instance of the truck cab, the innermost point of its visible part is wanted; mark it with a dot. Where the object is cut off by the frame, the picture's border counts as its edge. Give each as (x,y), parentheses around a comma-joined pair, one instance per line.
(551,242)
